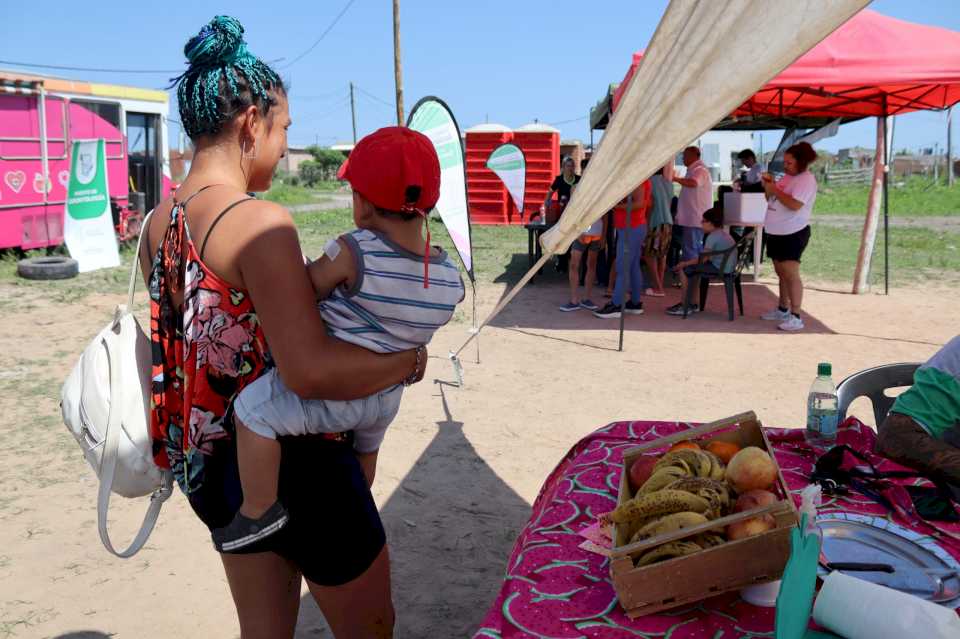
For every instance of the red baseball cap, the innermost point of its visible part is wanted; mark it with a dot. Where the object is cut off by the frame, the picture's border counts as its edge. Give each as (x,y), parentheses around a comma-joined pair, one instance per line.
(384,166)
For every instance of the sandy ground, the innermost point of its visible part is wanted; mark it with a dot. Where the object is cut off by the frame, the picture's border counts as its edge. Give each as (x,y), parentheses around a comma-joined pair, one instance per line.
(459,467)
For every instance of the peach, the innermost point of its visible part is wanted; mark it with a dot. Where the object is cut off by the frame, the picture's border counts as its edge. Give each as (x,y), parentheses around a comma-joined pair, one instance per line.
(754,499)
(751,469)
(750,527)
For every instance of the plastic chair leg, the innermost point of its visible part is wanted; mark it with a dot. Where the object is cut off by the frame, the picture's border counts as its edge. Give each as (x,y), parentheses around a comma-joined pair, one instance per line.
(738,284)
(704,289)
(728,287)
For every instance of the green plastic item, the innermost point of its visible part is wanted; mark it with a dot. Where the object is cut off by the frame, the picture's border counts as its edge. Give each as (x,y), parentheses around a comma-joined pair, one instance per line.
(798,585)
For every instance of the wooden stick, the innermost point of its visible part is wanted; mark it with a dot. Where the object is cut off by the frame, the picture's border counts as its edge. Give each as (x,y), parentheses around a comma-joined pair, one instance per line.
(693,433)
(638,546)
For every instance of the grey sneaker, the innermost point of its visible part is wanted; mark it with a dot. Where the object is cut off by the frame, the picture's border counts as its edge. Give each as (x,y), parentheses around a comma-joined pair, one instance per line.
(588,305)
(609,311)
(792,324)
(776,315)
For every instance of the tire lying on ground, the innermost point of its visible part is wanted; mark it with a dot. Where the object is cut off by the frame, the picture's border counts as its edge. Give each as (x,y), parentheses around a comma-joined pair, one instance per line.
(47,268)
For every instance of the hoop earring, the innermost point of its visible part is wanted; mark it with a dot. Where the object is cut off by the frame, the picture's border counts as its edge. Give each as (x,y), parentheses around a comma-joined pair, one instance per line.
(248,156)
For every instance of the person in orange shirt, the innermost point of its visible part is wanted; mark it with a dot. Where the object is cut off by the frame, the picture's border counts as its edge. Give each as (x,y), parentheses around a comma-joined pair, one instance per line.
(629,251)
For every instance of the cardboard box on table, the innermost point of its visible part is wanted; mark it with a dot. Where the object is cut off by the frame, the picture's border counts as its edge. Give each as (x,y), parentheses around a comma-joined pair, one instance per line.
(744,208)
(731,566)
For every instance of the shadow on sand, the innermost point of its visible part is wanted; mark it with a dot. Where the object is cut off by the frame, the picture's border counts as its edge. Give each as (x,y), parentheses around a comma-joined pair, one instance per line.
(464,569)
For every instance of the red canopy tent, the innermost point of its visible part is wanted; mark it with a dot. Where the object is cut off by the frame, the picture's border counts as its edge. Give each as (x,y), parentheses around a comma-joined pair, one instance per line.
(872,66)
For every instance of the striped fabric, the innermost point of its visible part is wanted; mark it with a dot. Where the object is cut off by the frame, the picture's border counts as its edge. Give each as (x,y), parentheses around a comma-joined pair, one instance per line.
(388,309)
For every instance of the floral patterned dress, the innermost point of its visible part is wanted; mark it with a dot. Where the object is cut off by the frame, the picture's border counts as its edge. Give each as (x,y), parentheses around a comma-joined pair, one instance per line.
(204,354)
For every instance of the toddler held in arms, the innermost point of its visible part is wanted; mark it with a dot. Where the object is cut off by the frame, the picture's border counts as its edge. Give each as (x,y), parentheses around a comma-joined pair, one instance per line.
(381,287)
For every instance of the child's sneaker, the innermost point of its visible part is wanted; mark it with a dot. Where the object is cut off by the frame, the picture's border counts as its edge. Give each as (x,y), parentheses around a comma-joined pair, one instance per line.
(243,531)
(776,315)
(677,309)
(792,324)
(588,305)
(570,307)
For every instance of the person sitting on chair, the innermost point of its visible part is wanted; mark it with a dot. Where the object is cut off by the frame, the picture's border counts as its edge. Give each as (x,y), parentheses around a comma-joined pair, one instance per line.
(922,430)
(709,263)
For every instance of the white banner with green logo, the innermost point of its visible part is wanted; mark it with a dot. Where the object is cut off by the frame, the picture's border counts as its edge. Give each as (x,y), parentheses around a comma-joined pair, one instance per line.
(433,118)
(88,223)
(508,162)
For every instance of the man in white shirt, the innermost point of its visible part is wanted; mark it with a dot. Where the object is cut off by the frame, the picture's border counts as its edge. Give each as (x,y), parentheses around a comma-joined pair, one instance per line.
(750,182)
(696,196)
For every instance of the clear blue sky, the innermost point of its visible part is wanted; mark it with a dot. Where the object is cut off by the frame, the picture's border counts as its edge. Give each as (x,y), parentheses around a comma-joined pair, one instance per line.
(506,61)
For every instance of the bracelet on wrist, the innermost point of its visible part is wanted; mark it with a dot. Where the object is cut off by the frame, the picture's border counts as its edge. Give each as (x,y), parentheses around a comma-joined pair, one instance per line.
(412,378)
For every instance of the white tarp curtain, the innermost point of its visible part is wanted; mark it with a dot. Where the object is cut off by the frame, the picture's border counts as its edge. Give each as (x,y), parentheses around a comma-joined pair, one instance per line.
(705,59)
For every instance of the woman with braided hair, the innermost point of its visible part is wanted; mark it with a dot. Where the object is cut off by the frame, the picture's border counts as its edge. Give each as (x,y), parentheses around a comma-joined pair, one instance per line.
(230,299)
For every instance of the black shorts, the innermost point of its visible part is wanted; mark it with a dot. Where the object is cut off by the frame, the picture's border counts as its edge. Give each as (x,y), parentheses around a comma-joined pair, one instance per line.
(787,248)
(334,532)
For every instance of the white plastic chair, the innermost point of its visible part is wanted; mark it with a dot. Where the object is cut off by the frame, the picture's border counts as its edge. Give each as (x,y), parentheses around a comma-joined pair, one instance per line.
(872,383)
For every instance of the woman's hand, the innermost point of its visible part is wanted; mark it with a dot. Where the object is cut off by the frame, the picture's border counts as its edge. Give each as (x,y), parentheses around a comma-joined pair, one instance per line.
(766,177)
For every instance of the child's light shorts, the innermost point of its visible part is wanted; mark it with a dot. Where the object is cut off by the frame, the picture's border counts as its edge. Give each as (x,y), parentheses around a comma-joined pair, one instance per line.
(270,409)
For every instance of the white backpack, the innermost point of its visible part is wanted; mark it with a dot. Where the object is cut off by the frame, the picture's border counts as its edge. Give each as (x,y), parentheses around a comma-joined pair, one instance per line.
(105,403)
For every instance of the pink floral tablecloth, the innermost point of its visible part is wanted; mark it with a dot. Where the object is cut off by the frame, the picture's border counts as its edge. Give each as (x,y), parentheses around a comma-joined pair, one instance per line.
(554,589)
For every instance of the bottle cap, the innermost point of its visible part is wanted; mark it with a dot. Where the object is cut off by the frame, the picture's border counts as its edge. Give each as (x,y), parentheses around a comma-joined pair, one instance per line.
(824,369)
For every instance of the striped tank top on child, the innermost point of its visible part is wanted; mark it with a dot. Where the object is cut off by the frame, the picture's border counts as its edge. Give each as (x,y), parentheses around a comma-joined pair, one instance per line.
(388,309)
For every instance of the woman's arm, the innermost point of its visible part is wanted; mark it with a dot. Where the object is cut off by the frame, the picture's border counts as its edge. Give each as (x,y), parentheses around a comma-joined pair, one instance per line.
(773,191)
(311,363)
(546,202)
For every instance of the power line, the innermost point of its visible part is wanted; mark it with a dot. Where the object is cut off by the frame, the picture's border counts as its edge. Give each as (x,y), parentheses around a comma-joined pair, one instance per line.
(322,35)
(57,67)
(580,119)
(370,95)
(87,69)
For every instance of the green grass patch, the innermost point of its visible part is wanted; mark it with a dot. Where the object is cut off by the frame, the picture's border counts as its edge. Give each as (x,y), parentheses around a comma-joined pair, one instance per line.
(915,197)
(291,195)
(916,254)
(111,280)
(499,252)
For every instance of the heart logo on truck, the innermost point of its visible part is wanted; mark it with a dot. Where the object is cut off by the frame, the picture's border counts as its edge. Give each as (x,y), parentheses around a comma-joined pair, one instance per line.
(38,183)
(15,180)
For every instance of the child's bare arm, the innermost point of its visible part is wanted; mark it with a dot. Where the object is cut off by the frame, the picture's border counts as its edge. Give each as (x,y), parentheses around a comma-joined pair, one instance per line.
(334,268)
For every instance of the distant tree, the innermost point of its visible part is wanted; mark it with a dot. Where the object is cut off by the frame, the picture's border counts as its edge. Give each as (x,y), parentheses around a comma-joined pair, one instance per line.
(328,159)
(311,172)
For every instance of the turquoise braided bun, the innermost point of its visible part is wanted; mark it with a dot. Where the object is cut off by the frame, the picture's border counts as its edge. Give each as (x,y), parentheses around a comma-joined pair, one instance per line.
(223,78)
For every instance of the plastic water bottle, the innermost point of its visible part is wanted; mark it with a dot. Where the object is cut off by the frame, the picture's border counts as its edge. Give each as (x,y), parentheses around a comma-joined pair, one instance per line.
(822,408)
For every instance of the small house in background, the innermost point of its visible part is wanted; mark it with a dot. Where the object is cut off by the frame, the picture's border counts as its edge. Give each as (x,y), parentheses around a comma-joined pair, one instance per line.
(858,157)
(290,163)
(343,147)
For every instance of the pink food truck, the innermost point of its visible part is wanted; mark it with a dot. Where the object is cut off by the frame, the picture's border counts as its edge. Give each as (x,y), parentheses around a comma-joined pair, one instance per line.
(40,117)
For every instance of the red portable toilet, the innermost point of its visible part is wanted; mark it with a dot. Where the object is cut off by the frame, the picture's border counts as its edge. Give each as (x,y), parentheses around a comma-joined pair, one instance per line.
(540,144)
(487,197)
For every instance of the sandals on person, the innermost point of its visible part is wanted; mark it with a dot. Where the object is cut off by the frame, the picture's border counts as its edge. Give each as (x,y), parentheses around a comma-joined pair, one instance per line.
(652,293)
(244,531)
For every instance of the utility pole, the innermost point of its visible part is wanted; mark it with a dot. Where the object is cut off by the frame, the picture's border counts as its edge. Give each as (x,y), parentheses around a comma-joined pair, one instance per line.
(950,146)
(397,72)
(353,115)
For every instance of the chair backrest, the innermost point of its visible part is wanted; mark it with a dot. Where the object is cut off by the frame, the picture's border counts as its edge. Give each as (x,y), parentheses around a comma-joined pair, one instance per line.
(743,253)
(872,383)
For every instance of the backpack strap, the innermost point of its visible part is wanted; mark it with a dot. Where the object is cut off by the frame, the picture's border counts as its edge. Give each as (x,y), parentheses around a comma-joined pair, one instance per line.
(108,460)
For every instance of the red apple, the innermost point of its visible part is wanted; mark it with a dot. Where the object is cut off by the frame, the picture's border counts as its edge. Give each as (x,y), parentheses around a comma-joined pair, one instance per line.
(640,471)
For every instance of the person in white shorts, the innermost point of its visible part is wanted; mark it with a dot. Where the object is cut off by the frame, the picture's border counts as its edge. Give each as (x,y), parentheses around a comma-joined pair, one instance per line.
(381,287)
